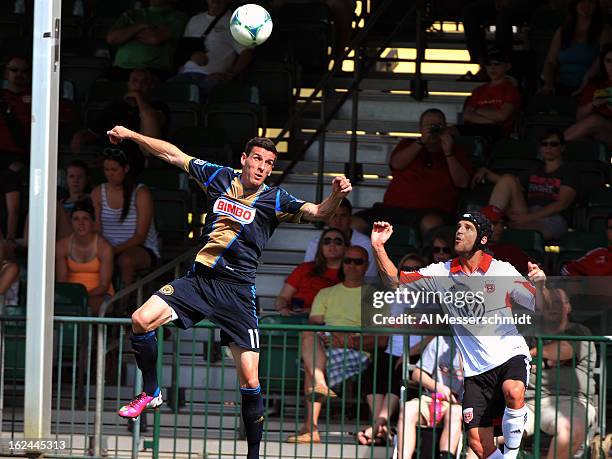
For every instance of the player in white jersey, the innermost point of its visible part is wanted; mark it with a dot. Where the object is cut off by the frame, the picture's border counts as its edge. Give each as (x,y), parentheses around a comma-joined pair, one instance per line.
(495,357)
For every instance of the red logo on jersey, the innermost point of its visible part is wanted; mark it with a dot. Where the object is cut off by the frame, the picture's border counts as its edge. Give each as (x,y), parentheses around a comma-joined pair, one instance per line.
(468,415)
(237,211)
(489,287)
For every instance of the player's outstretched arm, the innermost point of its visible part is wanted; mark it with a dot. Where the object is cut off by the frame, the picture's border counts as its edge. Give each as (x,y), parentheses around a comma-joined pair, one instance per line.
(160,148)
(341,187)
(381,232)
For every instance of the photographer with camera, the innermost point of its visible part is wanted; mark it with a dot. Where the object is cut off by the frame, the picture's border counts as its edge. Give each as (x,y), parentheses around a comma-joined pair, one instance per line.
(428,174)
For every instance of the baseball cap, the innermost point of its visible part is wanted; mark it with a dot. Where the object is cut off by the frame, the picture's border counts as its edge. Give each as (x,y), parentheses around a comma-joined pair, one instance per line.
(493,213)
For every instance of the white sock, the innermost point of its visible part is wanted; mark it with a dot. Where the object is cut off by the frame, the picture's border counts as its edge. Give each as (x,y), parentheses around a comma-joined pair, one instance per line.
(513,425)
(496,455)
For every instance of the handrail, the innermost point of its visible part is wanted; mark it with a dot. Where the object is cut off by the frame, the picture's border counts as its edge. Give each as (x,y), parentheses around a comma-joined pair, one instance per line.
(345,95)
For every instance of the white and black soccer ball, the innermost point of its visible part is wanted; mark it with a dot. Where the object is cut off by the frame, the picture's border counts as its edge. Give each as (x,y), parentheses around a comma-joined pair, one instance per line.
(251,25)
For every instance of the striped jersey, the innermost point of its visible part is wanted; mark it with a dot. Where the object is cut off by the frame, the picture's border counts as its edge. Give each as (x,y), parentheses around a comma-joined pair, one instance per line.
(238,226)
(498,284)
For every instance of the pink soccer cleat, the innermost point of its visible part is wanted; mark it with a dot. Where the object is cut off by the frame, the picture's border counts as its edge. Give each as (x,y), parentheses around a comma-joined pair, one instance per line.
(142,402)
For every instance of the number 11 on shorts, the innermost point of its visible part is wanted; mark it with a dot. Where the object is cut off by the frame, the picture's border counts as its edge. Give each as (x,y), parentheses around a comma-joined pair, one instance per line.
(254,336)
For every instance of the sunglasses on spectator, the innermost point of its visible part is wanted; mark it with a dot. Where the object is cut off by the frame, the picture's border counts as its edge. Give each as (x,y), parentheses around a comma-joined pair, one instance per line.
(437,249)
(354,261)
(333,240)
(18,70)
(551,143)
(409,268)
(114,153)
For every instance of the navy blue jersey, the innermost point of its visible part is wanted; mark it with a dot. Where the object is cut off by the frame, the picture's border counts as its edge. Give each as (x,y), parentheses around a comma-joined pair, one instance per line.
(237,227)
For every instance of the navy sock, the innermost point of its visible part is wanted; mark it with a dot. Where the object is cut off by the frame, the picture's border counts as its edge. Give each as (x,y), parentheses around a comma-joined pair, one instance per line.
(145,347)
(253,418)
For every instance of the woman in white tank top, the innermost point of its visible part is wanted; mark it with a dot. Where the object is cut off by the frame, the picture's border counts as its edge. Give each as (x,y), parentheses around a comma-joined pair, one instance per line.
(124,216)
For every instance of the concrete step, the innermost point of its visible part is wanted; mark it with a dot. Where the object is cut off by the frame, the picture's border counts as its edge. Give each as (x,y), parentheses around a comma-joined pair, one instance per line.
(371,149)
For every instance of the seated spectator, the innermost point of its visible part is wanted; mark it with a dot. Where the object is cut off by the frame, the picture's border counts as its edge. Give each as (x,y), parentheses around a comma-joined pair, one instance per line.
(85,257)
(217,56)
(504,251)
(568,389)
(146,38)
(574,48)
(308,278)
(325,367)
(538,198)
(124,216)
(428,174)
(597,262)
(341,220)
(490,110)
(441,248)
(594,116)
(10,208)
(16,107)
(135,110)
(439,371)
(9,275)
(384,404)
(77,179)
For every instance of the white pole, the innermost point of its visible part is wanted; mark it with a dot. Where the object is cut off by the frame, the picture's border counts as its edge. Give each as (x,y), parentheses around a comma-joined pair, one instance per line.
(41,237)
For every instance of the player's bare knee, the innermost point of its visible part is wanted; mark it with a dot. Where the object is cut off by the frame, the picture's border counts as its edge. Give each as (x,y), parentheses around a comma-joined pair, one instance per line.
(515,395)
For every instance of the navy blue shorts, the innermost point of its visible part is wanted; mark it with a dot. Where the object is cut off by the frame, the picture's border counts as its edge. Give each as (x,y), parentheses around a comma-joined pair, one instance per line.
(201,294)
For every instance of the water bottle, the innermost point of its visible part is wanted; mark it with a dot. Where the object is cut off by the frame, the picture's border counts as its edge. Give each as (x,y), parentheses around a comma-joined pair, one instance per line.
(436,408)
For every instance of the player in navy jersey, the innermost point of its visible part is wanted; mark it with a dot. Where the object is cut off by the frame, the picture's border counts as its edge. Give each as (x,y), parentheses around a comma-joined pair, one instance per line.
(242,214)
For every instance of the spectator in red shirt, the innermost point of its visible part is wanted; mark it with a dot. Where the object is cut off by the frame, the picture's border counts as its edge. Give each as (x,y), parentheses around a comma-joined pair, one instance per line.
(594,115)
(428,174)
(15,107)
(597,262)
(490,110)
(504,251)
(308,278)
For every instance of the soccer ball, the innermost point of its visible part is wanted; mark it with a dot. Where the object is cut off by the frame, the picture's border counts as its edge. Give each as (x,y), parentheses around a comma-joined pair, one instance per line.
(250,25)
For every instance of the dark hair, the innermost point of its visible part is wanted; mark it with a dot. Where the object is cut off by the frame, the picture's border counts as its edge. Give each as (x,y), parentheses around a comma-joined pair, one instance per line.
(569,25)
(548,132)
(79,164)
(602,73)
(432,111)
(440,233)
(129,181)
(346,203)
(341,275)
(410,256)
(320,261)
(261,142)
(84,205)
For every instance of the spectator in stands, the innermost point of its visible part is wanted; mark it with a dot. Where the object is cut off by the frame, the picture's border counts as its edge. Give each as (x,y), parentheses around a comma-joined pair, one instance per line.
(428,174)
(124,216)
(15,107)
(504,251)
(439,371)
(594,116)
(308,278)
(77,179)
(597,262)
(490,110)
(134,110)
(568,389)
(480,13)
(9,275)
(10,205)
(216,56)
(573,51)
(342,220)
(146,38)
(339,305)
(384,404)
(85,257)
(441,248)
(538,198)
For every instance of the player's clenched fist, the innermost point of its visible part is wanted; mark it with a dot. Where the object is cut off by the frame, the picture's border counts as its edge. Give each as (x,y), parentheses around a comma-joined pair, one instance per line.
(381,232)
(117,134)
(341,185)
(535,273)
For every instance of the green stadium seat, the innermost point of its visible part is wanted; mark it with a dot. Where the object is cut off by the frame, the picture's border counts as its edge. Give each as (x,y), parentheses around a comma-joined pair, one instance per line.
(575,244)
(530,241)
(514,149)
(209,144)
(177,93)
(598,208)
(238,93)
(275,82)
(171,220)
(585,150)
(165,179)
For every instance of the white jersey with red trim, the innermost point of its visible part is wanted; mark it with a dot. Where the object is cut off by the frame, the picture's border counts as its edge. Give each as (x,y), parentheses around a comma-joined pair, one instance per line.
(485,340)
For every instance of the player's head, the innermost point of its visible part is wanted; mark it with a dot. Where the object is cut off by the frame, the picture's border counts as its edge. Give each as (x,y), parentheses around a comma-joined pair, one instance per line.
(82,217)
(342,217)
(354,264)
(257,161)
(473,234)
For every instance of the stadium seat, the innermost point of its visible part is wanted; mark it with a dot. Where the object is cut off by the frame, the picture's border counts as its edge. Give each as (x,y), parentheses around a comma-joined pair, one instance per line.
(83,72)
(476,147)
(514,149)
(585,150)
(474,200)
(598,208)
(229,92)
(209,144)
(171,209)
(592,177)
(275,82)
(530,241)
(177,93)
(166,179)
(575,244)
(515,166)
